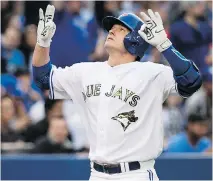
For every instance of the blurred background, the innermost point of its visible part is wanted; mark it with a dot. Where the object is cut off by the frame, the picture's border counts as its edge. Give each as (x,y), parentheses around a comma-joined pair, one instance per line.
(33,128)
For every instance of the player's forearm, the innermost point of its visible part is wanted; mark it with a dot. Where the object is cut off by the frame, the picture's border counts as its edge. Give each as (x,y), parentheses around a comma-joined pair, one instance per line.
(186,74)
(40,56)
(41,67)
(177,61)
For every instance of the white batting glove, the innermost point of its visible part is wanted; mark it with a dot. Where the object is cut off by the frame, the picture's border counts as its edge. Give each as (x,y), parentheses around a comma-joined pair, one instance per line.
(152,31)
(46,26)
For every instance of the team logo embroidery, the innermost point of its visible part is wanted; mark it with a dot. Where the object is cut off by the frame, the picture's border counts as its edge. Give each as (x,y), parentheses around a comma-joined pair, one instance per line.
(126,118)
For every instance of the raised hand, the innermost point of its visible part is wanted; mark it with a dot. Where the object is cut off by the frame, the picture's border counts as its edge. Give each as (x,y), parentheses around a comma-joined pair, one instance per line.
(152,31)
(46,26)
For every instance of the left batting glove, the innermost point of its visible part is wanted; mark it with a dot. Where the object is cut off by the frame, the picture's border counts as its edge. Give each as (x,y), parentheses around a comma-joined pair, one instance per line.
(152,31)
(46,26)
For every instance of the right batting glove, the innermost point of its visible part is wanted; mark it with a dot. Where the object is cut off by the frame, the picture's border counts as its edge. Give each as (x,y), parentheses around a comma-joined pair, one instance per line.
(152,31)
(46,26)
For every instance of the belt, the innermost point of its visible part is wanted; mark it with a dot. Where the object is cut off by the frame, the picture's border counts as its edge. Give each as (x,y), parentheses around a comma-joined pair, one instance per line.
(116,168)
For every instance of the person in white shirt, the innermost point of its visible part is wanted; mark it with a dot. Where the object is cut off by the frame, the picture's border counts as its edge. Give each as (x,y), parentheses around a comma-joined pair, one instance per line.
(75,126)
(119,100)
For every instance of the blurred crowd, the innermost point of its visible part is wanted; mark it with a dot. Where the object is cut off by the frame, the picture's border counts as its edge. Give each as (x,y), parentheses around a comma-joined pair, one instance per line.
(32,123)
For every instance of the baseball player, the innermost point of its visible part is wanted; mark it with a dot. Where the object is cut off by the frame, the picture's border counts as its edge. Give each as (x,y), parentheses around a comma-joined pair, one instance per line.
(120,100)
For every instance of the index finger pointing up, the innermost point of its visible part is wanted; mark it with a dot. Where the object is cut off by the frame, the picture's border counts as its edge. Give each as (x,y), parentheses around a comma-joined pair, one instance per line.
(41,15)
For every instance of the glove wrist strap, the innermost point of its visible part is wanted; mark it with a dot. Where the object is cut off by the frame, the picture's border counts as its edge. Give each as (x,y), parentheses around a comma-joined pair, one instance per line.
(43,44)
(163,46)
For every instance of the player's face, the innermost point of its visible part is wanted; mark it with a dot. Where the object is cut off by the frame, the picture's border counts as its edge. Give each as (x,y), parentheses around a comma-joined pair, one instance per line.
(115,38)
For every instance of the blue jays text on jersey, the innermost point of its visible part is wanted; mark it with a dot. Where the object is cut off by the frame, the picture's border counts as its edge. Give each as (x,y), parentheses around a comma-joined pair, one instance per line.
(121,93)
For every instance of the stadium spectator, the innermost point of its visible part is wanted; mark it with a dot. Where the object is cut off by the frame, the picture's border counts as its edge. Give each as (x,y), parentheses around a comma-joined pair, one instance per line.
(28,92)
(11,56)
(8,83)
(173,118)
(31,11)
(3,91)
(193,138)
(6,13)
(102,9)
(13,119)
(17,18)
(37,110)
(72,118)
(75,125)
(56,139)
(209,12)
(22,119)
(190,35)
(201,101)
(53,108)
(209,57)
(29,43)
(24,85)
(105,8)
(76,31)
(16,23)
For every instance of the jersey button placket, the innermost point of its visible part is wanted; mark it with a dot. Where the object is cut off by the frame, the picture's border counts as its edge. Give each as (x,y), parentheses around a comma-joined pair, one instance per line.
(108,82)
(101,143)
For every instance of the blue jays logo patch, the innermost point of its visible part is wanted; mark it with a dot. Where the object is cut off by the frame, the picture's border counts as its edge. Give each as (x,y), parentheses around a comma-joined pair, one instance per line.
(126,118)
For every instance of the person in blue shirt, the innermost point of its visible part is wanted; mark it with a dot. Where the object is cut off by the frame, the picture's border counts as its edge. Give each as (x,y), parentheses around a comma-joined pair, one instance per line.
(77,30)
(190,35)
(11,56)
(193,138)
(28,92)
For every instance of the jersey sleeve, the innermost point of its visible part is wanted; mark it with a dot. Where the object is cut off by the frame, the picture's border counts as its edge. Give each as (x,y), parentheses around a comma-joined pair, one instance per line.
(167,82)
(65,82)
